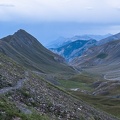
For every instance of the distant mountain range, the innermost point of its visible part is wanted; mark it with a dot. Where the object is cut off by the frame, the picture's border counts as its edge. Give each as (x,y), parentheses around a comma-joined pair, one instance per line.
(70,48)
(61,41)
(58,42)
(87,37)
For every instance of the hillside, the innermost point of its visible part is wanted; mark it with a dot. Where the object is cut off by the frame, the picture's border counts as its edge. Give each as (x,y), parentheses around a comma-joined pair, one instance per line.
(36,99)
(108,39)
(100,86)
(26,50)
(104,55)
(102,62)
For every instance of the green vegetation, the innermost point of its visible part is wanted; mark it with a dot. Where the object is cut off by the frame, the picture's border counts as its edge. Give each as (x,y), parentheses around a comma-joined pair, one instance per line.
(83,78)
(84,81)
(8,111)
(102,55)
(81,81)
(72,84)
(109,105)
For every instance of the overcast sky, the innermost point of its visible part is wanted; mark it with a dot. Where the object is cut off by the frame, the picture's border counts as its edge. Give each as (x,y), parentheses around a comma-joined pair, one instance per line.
(49,19)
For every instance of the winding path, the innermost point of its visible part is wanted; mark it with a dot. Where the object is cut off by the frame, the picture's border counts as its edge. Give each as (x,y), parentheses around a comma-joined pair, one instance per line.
(112,75)
(17,86)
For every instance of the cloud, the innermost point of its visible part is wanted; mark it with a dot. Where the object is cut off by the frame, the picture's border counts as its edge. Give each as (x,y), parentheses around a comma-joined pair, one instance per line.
(7,5)
(93,11)
(118,8)
(89,8)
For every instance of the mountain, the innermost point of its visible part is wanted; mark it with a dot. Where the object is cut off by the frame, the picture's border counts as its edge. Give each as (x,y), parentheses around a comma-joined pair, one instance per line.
(110,38)
(27,95)
(58,42)
(61,41)
(74,49)
(103,60)
(89,36)
(26,50)
(103,64)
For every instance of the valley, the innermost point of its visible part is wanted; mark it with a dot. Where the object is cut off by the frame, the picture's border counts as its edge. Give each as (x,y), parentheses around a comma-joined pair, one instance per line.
(98,79)
(36,84)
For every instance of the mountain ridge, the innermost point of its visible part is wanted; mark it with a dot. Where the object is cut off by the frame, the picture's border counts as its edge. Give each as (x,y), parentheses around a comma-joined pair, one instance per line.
(28,51)
(108,39)
(61,41)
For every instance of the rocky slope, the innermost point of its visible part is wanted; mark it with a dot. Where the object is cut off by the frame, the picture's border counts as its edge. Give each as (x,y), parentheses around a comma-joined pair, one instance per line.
(37,99)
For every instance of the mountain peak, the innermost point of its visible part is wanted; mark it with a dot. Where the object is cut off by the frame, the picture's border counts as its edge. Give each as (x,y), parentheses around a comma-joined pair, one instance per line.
(27,50)
(21,37)
(21,32)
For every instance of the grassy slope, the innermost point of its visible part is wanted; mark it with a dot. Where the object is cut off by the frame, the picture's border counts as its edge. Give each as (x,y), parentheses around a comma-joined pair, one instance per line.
(109,105)
(10,73)
(8,111)
(45,98)
(84,82)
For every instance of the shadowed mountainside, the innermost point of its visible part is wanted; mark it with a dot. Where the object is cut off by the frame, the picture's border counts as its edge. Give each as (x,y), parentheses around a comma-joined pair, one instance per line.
(26,50)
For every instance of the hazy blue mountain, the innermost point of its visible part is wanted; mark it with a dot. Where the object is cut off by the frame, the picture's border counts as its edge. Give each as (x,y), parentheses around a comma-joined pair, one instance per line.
(61,41)
(90,36)
(58,42)
(74,49)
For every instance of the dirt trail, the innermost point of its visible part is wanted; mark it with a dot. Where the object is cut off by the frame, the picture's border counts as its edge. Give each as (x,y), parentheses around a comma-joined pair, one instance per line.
(17,86)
